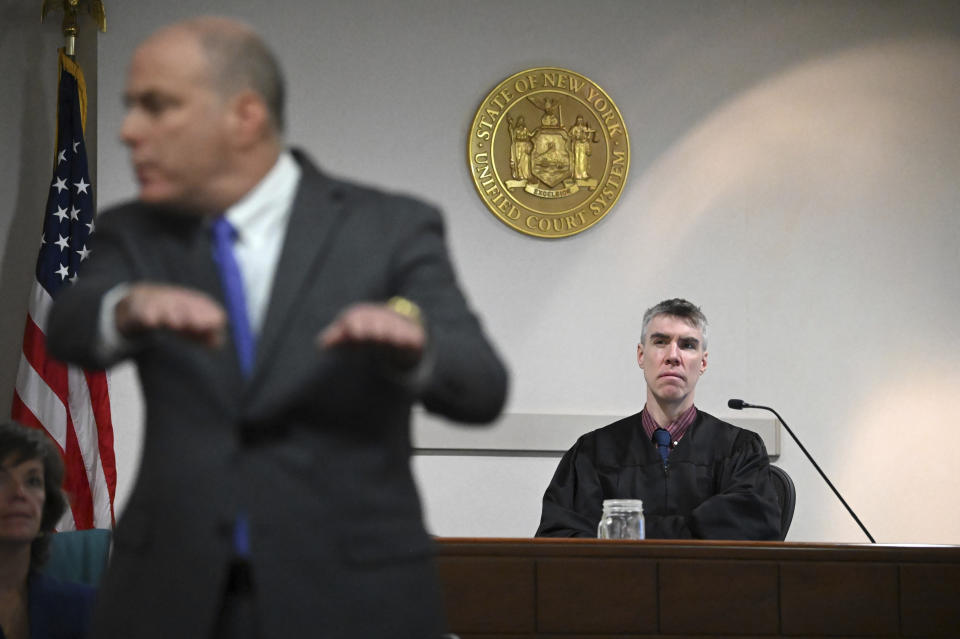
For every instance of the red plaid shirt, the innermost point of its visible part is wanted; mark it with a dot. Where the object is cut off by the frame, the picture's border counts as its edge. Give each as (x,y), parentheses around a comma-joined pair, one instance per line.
(677,428)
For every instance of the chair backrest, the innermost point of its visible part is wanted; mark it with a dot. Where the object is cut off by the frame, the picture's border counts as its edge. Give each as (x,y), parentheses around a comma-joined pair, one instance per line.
(78,555)
(786,495)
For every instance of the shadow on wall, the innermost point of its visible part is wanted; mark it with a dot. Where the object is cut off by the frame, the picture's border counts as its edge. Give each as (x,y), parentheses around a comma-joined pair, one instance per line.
(831,134)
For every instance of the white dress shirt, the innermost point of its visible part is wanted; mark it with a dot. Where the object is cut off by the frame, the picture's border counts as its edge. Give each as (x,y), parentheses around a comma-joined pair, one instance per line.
(260,220)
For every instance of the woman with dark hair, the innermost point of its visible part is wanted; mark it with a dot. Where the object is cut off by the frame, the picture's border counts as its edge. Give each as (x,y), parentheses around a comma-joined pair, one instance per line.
(32,605)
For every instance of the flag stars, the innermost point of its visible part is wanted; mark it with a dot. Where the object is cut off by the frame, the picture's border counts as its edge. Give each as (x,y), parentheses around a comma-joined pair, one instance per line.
(76,143)
(62,156)
(61,213)
(90,226)
(74,213)
(84,253)
(63,242)
(81,186)
(60,185)
(63,272)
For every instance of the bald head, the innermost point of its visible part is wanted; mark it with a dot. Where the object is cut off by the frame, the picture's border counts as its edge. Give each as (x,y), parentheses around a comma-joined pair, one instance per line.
(204,114)
(239,60)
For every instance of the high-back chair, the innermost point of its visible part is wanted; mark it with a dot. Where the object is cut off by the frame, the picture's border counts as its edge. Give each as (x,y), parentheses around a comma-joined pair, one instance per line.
(786,495)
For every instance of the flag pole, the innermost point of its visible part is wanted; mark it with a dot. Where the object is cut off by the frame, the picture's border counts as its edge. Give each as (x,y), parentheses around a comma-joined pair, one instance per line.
(69,25)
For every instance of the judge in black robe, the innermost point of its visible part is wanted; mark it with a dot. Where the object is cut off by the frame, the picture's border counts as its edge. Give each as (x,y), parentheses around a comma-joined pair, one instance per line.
(715,481)
(715,486)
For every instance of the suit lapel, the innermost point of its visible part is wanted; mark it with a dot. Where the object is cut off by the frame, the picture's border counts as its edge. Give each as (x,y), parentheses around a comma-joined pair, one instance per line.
(317,213)
(199,266)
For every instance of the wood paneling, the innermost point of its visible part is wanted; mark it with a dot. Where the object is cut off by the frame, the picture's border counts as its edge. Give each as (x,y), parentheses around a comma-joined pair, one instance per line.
(570,592)
(852,598)
(734,597)
(489,594)
(587,589)
(929,601)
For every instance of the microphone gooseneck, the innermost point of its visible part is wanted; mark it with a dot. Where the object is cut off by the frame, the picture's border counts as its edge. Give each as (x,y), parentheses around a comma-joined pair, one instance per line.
(739,404)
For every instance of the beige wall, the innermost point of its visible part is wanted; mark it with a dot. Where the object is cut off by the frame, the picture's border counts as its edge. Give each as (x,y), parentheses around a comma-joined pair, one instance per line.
(794,171)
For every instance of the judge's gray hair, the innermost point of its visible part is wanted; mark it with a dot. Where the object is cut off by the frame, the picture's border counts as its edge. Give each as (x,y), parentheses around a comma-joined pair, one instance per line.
(677,307)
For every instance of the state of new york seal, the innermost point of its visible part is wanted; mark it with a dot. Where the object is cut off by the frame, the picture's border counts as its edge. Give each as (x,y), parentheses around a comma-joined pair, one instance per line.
(549,152)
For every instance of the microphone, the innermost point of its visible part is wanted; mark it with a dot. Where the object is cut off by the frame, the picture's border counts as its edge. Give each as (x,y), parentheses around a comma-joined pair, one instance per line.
(739,404)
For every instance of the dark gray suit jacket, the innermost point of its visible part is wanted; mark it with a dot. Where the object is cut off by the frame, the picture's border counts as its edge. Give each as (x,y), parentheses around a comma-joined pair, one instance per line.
(314,447)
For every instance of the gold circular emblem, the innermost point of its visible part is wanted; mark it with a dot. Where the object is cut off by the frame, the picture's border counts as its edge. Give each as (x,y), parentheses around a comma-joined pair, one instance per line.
(549,152)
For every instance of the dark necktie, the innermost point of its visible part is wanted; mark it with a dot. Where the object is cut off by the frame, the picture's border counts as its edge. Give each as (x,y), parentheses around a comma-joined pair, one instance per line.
(223,236)
(662,439)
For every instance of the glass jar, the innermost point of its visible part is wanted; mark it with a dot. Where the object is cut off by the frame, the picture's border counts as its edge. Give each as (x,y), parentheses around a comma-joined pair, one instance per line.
(621,519)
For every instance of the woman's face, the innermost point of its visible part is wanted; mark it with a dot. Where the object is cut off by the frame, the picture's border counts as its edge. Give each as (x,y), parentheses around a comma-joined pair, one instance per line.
(22,495)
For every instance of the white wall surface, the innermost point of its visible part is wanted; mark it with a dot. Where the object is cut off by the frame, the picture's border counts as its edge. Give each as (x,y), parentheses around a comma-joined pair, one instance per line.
(794,171)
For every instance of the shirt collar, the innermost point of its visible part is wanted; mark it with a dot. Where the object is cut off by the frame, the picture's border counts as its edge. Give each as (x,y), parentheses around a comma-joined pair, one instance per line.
(269,202)
(677,428)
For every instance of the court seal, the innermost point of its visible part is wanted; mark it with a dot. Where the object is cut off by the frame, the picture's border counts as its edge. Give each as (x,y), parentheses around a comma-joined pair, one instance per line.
(548,152)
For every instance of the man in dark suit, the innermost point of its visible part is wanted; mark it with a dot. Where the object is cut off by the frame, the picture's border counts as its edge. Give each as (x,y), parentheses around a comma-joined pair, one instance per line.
(275,497)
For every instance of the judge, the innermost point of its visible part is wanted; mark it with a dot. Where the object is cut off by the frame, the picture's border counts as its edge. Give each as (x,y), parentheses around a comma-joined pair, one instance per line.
(698,477)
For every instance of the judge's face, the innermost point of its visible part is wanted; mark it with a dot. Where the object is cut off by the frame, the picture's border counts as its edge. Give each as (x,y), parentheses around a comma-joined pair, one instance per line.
(177,126)
(22,495)
(673,358)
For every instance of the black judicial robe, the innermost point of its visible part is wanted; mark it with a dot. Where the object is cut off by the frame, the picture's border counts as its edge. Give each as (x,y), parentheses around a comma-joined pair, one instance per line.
(717,484)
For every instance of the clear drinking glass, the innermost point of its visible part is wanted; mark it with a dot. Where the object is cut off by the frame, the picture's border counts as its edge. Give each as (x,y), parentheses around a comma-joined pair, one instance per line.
(622,519)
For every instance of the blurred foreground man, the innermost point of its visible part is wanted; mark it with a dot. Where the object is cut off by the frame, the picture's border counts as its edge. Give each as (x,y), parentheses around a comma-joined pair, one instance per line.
(698,477)
(283,323)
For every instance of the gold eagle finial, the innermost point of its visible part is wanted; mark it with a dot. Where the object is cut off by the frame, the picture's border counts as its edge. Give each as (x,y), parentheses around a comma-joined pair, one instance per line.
(70,9)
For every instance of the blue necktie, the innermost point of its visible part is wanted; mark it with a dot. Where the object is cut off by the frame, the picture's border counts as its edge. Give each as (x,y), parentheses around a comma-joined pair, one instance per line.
(662,439)
(241,535)
(223,237)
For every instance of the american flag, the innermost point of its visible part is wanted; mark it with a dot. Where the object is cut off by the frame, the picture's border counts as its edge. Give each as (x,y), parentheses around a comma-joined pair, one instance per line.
(70,404)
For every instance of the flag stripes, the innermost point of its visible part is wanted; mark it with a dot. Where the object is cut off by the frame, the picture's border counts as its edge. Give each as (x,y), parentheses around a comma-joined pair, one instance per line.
(71,405)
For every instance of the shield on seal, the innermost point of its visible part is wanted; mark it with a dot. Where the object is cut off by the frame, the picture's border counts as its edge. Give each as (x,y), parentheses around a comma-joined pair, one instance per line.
(550,160)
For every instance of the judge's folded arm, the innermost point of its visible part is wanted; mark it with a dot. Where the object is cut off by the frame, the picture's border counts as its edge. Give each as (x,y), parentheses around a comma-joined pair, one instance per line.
(746,505)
